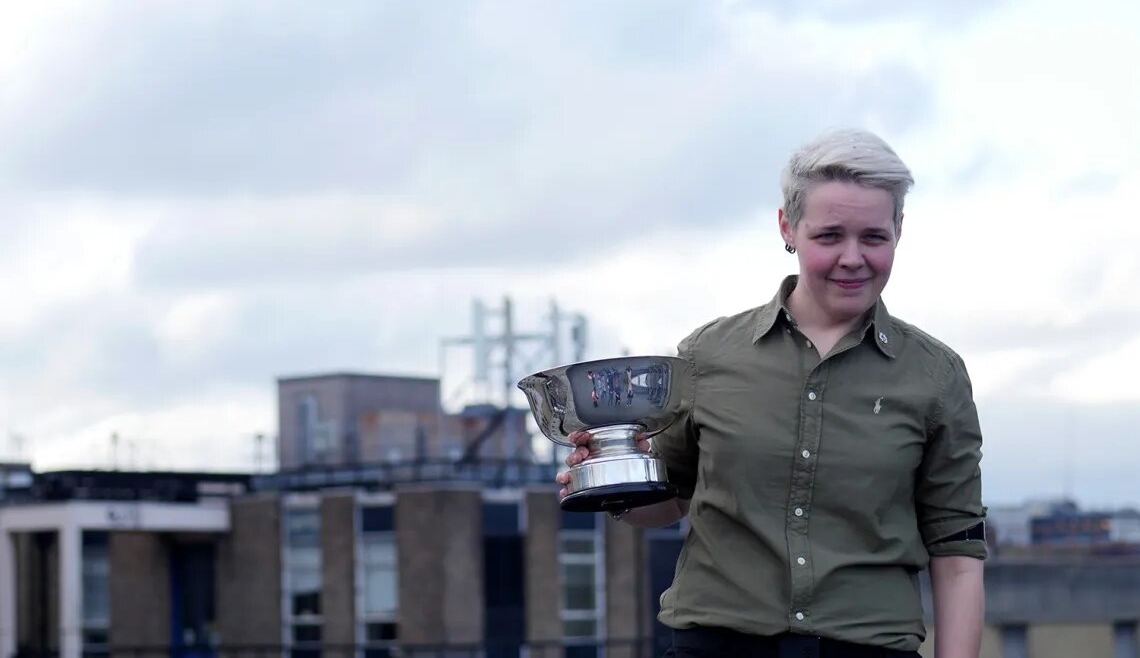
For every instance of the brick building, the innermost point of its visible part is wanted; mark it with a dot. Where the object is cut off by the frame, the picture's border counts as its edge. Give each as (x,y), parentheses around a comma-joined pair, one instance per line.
(430,564)
(349,419)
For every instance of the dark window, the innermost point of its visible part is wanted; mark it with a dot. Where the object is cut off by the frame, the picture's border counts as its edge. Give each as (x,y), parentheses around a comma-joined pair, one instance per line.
(582,651)
(663,554)
(500,519)
(381,631)
(504,578)
(579,521)
(95,539)
(1014,641)
(380,637)
(1125,640)
(380,518)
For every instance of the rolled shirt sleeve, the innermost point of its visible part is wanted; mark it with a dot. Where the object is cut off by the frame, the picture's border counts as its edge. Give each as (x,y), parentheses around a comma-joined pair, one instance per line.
(677,445)
(948,492)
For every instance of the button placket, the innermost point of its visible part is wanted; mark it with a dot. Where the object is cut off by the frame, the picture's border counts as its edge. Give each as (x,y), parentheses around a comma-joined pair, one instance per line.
(803,482)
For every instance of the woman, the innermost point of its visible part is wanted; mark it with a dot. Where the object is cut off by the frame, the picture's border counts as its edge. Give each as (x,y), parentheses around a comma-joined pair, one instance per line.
(831,451)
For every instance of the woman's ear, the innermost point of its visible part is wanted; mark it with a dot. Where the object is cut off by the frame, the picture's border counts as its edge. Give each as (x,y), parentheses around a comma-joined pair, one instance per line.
(786,231)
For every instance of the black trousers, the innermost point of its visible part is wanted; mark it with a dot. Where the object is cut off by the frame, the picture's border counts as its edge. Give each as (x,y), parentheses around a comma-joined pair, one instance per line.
(718,642)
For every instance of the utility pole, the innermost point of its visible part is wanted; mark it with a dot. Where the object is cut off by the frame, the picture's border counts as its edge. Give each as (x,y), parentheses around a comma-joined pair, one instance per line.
(16,446)
(258,448)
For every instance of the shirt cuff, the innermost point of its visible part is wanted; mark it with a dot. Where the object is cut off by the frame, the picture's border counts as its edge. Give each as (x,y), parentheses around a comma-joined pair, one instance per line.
(975,548)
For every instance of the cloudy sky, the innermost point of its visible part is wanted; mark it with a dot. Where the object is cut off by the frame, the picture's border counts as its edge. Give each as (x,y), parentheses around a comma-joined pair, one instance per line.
(197,198)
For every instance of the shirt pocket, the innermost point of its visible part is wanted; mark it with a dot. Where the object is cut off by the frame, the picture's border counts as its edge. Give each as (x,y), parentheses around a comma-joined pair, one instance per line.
(874,441)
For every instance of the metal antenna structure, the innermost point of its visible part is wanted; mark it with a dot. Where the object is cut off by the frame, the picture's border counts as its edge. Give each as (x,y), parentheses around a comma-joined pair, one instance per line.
(501,354)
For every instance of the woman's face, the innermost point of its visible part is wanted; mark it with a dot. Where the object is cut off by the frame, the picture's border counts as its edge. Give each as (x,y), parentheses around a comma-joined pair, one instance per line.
(846,247)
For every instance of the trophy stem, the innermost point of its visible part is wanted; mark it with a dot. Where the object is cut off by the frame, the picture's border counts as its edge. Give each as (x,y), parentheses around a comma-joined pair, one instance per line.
(613,440)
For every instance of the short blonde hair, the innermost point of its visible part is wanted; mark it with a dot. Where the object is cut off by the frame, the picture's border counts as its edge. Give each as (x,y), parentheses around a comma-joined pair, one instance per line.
(849,154)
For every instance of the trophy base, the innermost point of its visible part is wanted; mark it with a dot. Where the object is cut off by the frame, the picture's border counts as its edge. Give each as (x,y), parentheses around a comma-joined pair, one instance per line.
(617,482)
(617,497)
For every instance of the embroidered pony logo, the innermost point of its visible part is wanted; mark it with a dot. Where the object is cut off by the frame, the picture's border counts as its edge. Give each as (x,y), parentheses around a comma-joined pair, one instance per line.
(878,406)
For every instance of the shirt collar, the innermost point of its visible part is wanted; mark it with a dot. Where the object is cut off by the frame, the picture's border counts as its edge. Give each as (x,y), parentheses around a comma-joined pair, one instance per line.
(880,324)
(770,312)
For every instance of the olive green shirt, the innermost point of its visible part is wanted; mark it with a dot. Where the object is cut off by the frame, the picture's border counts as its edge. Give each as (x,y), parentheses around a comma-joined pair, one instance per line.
(819,487)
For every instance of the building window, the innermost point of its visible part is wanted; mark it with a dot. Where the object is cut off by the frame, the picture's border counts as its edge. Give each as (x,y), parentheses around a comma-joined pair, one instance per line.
(380,573)
(96,572)
(303,580)
(1014,641)
(1125,640)
(316,440)
(582,561)
(504,580)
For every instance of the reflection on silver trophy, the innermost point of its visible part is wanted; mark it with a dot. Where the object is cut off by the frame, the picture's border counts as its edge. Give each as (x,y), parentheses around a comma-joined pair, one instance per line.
(615,400)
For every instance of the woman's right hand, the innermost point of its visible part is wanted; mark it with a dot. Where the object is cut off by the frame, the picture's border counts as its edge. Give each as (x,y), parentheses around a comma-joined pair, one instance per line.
(581,440)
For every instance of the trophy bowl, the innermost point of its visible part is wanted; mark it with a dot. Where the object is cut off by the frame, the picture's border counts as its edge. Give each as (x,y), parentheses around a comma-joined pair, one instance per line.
(615,400)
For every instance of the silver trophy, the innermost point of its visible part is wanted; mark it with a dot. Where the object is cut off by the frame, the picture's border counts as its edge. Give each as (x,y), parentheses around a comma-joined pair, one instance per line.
(615,400)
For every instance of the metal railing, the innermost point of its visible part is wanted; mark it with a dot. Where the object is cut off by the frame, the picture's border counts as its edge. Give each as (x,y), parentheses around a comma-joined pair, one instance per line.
(610,648)
(384,476)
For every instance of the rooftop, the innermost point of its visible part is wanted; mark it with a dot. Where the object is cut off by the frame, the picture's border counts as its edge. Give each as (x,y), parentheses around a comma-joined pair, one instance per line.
(357,375)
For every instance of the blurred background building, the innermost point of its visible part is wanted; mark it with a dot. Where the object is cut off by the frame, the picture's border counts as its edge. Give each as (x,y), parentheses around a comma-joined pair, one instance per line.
(393,526)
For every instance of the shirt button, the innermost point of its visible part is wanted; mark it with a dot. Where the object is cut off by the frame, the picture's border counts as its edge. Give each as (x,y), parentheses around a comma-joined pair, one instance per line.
(806,454)
(800,616)
(801,561)
(798,512)
(811,395)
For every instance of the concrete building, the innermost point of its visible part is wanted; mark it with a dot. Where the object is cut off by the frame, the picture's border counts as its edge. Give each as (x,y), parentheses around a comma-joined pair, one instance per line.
(348,419)
(14,476)
(456,564)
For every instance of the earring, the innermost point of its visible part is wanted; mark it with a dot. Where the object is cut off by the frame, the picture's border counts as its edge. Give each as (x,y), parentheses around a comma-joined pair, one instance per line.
(789,248)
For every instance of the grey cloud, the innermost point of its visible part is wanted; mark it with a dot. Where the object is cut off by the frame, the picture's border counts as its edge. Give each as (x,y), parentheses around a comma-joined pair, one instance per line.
(985,166)
(548,195)
(188,101)
(112,347)
(521,125)
(1038,447)
(101,345)
(1059,348)
(854,11)
(1100,183)
(233,99)
(1099,329)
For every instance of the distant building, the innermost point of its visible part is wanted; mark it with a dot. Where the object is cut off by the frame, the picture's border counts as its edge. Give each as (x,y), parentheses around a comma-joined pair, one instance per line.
(1011,525)
(1079,529)
(346,419)
(1125,527)
(197,562)
(15,478)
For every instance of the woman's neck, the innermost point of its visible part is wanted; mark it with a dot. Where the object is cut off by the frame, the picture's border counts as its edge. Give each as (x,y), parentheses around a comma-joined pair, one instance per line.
(810,316)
